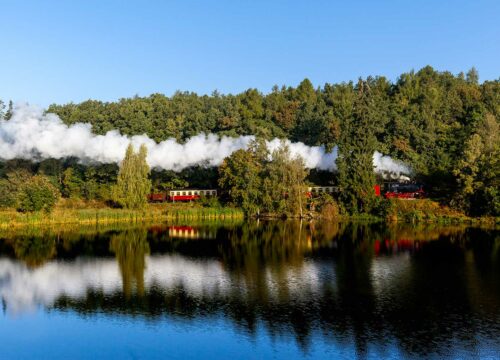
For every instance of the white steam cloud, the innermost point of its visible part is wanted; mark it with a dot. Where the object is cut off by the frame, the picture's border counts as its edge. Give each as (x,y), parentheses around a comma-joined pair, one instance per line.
(31,134)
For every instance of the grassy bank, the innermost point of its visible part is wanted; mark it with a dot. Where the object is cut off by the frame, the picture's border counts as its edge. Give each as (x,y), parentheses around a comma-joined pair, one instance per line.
(406,211)
(89,214)
(84,213)
(426,210)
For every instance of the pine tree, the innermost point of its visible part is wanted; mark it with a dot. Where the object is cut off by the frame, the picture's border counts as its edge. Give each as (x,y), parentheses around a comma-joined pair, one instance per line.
(355,162)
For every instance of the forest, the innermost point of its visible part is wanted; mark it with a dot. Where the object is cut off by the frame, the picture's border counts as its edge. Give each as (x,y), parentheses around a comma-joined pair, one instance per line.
(445,127)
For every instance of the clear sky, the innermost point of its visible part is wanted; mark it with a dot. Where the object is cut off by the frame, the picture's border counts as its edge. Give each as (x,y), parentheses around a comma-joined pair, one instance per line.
(61,51)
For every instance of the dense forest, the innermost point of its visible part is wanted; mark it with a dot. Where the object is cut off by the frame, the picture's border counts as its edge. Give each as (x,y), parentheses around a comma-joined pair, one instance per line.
(444,126)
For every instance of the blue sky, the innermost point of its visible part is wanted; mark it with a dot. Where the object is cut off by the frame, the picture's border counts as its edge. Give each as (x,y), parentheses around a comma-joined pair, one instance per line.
(55,51)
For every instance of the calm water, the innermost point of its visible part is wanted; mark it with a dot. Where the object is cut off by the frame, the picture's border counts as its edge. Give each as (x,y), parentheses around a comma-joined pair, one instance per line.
(284,290)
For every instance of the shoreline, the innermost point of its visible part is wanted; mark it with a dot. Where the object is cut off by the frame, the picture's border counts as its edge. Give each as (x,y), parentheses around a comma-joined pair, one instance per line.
(104,216)
(190,212)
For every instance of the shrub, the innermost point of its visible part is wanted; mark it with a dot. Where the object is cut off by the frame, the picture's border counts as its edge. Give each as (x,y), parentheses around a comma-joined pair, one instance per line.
(37,194)
(327,206)
(210,201)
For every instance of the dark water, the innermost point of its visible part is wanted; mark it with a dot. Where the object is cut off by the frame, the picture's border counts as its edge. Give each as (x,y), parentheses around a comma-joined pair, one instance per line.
(281,290)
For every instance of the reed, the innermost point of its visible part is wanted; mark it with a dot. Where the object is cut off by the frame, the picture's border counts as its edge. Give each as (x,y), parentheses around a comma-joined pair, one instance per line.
(89,216)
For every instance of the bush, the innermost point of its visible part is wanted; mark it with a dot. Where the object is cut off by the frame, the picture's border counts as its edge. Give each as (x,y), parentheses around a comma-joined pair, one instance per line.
(327,206)
(210,201)
(385,208)
(37,194)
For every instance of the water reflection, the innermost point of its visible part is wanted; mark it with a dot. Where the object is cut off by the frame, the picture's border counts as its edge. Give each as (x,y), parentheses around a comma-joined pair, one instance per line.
(130,248)
(423,290)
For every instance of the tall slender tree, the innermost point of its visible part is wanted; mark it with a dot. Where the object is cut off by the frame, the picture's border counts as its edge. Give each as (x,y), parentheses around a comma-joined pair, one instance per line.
(355,162)
(133,183)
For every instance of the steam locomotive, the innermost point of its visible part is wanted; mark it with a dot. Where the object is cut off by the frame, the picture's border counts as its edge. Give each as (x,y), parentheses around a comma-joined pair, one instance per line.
(397,190)
(397,186)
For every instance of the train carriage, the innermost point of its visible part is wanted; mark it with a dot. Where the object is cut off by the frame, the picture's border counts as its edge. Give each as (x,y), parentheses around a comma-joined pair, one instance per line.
(189,194)
(181,195)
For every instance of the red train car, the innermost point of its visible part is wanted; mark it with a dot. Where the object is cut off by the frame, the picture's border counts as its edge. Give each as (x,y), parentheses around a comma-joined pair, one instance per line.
(181,195)
(190,194)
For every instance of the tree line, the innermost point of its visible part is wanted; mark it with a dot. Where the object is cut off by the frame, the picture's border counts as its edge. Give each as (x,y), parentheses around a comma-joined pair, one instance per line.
(444,126)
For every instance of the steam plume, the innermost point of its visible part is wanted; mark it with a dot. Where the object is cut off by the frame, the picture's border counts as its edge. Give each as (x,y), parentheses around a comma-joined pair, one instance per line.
(31,134)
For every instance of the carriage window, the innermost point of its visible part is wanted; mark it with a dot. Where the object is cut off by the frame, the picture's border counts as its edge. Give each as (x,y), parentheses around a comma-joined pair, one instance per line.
(189,193)
(183,193)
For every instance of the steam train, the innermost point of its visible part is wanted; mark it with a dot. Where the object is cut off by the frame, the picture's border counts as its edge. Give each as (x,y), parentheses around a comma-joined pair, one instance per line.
(389,190)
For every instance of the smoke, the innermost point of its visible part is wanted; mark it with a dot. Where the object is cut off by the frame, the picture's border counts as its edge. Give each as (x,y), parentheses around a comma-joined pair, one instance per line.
(386,164)
(31,134)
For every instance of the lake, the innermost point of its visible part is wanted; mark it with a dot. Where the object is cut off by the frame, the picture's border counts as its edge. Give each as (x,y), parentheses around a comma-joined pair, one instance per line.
(254,290)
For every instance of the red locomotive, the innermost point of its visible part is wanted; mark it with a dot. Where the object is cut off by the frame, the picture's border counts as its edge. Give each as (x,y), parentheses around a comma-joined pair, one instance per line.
(408,191)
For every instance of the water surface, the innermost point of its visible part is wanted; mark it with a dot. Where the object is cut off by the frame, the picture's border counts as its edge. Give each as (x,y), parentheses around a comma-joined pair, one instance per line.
(284,290)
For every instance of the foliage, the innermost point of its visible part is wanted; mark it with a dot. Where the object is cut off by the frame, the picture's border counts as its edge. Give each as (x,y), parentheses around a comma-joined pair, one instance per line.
(71,184)
(210,202)
(326,206)
(240,177)
(284,188)
(260,182)
(357,145)
(420,210)
(133,184)
(431,120)
(478,171)
(37,194)
(10,186)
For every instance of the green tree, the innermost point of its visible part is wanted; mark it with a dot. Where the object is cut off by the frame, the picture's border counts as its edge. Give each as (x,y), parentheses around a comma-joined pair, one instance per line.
(71,184)
(37,194)
(9,187)
(355,161)
(478,171)
(284,183)
(240,177)
(133,183)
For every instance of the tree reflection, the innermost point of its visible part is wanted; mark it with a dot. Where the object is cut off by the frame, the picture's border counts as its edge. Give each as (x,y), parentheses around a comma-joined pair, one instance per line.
(35,250)
(311,279)
(130,248)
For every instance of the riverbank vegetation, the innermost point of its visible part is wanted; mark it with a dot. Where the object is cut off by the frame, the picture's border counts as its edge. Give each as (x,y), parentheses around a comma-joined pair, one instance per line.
(70,212)
(444,126)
